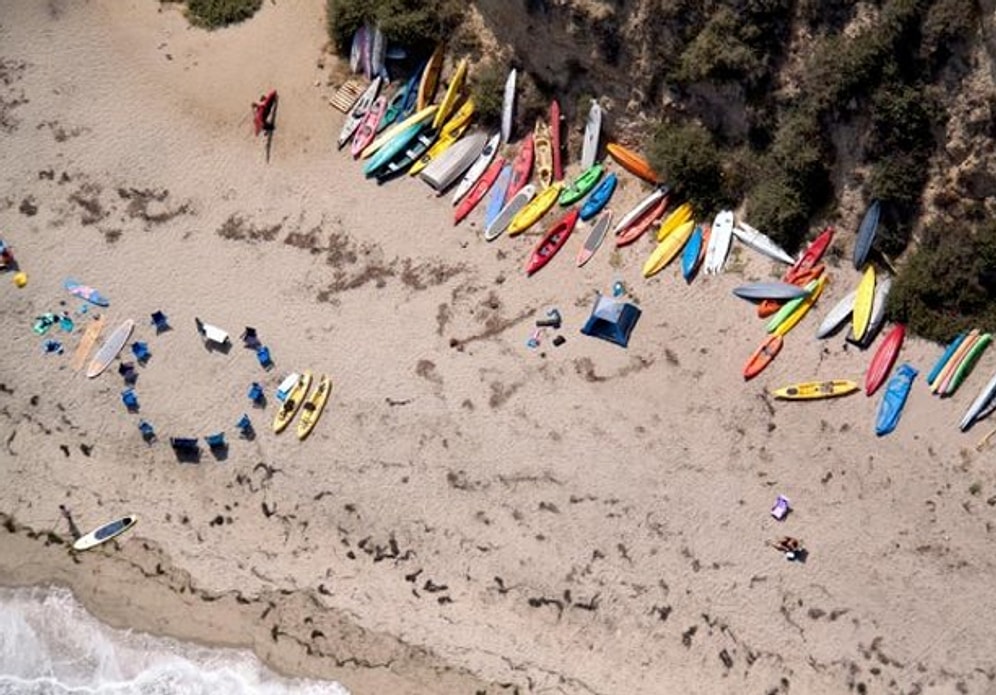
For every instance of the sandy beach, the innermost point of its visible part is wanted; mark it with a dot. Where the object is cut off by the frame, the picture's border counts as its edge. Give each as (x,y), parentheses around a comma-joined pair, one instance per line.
(470,515)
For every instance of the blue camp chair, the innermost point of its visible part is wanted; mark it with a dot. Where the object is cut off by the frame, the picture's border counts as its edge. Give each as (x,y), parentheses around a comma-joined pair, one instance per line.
(245,427)
(148,432)
(128,373)
(160,321)
(184,445)
(256,394)
(141,351)
(250,339)
(129,399)
(263,355)
(217,443)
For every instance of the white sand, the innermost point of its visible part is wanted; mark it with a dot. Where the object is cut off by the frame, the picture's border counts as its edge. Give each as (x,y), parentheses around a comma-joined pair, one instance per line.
(597,516)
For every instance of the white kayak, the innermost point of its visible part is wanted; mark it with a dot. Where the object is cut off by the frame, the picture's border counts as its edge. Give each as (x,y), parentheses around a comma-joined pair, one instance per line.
(444,170)
(508,107)
(511,209)
(592,131)
(761,243)
(983,404)
(359,112)
(641,207)
(882,288)
(105,533)
(836,316)
(478,168)
(719,243)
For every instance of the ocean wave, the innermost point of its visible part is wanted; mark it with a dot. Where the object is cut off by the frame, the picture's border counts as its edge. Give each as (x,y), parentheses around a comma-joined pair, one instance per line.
(50,645)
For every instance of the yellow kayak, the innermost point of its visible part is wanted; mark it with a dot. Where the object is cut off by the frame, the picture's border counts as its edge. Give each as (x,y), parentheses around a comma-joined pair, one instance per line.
(863,302)
(807,303)
(452,130)
(678,217)
(449,101)
(668,248)
(534,209)
(312,408)
(430,78)
(290,406)
(543,157)
(812,390)
(396,129)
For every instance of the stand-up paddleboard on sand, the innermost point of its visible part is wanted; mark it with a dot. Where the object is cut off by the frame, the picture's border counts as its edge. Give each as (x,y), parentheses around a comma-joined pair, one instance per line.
(110,349)
(85,292)
(105,533)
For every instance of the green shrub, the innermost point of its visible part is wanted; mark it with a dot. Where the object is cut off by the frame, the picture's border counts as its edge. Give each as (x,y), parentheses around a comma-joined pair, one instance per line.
(689,159)
(776,207)
(487,89)
(218,13)
(414,23)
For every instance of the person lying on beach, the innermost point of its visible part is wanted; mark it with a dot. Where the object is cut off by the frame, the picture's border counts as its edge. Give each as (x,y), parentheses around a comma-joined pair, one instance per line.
(792,547)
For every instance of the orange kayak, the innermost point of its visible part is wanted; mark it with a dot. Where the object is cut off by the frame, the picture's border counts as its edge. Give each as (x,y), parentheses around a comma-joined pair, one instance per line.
(762,357)
(632,162)
(769,306)
(642,223)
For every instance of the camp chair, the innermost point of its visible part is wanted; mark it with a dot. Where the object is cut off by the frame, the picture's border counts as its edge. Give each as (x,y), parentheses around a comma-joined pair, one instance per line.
(250,339)
(129,399)
(141,351)
(186,449)
(245,427)
(128,373)
(256,394)
(263,355)
(216,441)
(148,432)
(160,321)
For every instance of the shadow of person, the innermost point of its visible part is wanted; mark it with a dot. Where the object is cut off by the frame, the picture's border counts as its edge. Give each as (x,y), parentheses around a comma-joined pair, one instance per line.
(73,529)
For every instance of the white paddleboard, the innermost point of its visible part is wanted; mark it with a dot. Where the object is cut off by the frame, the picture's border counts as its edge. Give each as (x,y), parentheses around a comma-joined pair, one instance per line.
(641,207)
(761,243)
(478,168)
(508,107)
(719,243)
(110,349)
(511,209)
(882,288)
(987,394)
(836,316)
(105,533)
(592,131)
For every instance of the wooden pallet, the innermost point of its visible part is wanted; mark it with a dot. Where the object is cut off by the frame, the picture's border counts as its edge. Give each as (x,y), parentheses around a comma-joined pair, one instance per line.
(90,336)
(347,95)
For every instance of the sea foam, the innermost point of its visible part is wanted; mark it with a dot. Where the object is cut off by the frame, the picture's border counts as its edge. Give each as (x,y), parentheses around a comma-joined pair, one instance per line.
(50,645)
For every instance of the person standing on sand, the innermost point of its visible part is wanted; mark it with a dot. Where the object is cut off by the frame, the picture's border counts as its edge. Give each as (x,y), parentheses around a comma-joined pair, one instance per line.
(72,524)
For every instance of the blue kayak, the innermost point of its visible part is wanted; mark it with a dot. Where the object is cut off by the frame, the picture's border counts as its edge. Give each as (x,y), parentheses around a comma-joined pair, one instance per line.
(894,399)
(690,256)
(939,365)
(599,197)
(389,151)
(497,200)
(866,234)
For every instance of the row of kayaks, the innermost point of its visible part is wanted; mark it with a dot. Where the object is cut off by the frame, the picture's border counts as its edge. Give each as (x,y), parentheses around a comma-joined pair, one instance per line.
(435,143)
(310,405)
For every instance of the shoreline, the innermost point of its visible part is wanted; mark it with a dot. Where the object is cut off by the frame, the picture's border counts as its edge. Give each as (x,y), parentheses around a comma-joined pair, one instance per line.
(582,519)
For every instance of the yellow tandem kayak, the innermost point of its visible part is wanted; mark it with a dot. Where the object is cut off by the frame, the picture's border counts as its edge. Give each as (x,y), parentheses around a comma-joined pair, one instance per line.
(291,404)
(812,390)
(312,408)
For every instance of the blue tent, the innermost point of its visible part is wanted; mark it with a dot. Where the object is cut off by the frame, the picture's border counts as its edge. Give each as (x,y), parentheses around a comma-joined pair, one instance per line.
(611,320)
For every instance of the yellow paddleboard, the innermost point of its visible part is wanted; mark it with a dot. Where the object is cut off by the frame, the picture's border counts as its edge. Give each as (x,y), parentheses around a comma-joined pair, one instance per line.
(395,129)
(668,248)
(678,217)
(812,390)
(312,408)
(534,209)
(290,406)
(863,301)
(449,101)
(430,78)
(952,364)
(451,132)
(807,303)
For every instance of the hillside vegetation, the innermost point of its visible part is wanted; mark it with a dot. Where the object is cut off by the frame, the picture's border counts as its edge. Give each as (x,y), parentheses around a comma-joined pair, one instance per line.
(801,111)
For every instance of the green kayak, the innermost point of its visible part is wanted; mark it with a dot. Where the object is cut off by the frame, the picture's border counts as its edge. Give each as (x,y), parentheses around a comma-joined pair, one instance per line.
(581,185)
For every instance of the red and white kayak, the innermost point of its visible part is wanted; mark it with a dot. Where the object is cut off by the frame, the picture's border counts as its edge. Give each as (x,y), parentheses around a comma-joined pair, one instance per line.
(552,241)
(368,127)
(477,193)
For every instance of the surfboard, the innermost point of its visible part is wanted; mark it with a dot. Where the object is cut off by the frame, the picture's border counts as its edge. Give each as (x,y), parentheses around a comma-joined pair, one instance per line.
(90,336)
(104,533)
(110,349)
(86,292)
(511,209)
(508,107)
(592,131)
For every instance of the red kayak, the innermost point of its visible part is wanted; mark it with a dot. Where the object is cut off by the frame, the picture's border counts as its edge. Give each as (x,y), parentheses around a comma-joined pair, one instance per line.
(482,186)
(762,357)
(884,358)
(811,256)
(522,167)
(552,241)
(261,111)
(642,223)
(368,127)
(556,127)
